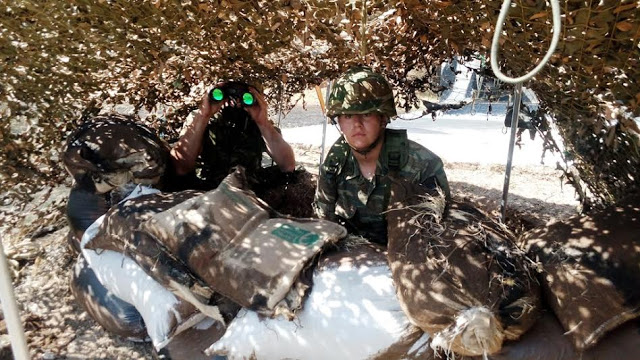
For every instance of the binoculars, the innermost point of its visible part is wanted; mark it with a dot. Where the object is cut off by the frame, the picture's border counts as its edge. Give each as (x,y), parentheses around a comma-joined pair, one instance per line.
(237,91)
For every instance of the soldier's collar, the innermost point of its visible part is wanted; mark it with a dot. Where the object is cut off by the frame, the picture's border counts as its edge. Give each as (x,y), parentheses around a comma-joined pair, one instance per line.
(352,169)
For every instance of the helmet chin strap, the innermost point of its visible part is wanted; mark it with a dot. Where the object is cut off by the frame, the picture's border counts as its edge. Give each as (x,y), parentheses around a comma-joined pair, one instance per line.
(368,149)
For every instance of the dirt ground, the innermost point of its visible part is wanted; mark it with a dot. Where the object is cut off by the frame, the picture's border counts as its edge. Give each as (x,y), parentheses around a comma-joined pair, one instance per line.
(33,234)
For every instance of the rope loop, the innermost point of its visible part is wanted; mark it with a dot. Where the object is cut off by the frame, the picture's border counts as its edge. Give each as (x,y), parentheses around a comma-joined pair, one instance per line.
(555,9)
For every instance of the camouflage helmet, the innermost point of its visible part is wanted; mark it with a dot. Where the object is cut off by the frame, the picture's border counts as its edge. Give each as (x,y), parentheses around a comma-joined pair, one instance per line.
(361,91)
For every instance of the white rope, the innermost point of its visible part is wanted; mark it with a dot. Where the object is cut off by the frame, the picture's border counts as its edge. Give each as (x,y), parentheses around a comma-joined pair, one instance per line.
(555,9)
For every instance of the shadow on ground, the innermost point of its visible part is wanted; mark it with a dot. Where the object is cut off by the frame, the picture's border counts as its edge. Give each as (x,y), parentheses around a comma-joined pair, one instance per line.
(530,211)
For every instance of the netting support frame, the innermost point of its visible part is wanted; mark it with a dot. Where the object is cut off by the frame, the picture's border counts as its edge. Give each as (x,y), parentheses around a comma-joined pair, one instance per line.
(517,98)
(10,307)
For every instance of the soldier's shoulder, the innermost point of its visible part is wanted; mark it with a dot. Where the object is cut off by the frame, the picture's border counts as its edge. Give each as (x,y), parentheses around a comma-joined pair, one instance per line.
(336,156)
(420,152)
(339,151)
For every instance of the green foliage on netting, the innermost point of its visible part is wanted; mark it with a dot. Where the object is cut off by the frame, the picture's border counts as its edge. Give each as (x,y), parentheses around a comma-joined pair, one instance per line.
(62,59)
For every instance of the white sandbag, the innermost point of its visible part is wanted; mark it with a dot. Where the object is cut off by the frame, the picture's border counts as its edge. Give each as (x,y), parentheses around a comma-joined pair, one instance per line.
(113,314)
(351,313)
(161,310)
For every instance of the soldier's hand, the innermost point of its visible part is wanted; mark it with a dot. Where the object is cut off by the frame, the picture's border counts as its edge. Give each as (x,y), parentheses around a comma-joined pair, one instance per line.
(209,108)
(258,111)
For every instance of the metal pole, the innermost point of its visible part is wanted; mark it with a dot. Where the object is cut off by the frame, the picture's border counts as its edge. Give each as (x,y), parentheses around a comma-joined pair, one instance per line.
(11,313)
(279,112)
(517,96)
(324,123)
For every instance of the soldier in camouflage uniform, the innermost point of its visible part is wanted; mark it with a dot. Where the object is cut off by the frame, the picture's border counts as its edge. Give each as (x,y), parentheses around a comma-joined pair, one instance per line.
(354,185)
(224,134)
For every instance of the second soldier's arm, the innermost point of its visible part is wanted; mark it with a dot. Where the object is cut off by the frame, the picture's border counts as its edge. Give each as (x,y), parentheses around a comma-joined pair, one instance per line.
(279,150)
(186,150)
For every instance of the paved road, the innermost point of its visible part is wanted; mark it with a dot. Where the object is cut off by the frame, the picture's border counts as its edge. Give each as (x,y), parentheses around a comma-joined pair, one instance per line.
(458,137)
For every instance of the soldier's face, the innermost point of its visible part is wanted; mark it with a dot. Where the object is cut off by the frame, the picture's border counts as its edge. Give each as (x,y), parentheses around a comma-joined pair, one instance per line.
(361,130)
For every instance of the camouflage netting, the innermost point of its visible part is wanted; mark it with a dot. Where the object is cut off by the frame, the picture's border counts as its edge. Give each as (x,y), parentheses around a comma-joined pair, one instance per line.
(64,59)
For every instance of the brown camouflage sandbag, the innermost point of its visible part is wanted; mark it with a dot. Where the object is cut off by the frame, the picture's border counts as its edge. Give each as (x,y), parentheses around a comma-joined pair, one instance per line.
(112,150)
(195,230)
(458,274)
(119,232)
(547,340)
(591,275)
(227,238)
(259,269)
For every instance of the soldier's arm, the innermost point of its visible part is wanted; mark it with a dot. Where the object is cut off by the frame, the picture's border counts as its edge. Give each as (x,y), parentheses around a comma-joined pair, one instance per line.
(186,150)
(441,178)
(324,202)
(279,150)
(432,173)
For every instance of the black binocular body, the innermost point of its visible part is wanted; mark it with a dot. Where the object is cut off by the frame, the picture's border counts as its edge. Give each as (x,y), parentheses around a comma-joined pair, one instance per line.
(235,90)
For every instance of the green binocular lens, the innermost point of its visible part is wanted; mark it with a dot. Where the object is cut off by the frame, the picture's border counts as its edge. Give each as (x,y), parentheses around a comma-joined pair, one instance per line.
(247,99)
(217,94)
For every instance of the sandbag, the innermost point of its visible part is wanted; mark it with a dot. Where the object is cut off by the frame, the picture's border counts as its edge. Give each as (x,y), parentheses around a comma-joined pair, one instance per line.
(622,343)
(112,150)
(165,314)
(83,208)
(458,273)
(112,313)
(547,340)
(591,270)
(351,313)
(227,239)
(261,267)
(117,231)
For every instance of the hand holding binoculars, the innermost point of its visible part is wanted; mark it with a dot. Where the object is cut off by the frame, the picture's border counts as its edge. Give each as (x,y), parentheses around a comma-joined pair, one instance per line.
(238,92)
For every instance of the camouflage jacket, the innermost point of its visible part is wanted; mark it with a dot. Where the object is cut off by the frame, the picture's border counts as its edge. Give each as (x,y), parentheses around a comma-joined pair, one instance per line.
(346,196)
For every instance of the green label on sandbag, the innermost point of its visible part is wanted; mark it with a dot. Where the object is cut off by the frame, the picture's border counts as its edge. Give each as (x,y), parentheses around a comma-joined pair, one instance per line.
(296,235)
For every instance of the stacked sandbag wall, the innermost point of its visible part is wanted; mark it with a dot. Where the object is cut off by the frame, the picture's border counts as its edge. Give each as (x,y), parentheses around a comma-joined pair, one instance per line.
(239,247)
(164,313)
